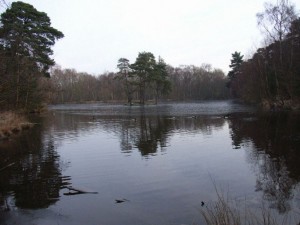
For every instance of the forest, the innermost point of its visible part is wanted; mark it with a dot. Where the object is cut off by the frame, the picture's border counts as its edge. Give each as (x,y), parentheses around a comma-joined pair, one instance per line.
(180,83)
(30,79)
(271,76)
(26,38)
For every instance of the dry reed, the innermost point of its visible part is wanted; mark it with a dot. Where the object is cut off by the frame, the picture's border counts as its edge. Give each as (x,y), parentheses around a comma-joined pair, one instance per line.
(228,212)
(11,123)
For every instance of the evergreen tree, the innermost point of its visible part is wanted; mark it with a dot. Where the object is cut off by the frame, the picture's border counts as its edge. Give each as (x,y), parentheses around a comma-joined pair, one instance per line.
(26,38)
(236,62)
(125,75)
(143,69)
(162,84)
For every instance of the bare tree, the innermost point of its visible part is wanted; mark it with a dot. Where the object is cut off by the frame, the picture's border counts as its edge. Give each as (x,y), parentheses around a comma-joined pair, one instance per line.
(4,5)
(276,19)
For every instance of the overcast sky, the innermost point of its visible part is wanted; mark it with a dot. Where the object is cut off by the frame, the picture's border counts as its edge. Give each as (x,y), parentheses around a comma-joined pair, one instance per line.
(191,32)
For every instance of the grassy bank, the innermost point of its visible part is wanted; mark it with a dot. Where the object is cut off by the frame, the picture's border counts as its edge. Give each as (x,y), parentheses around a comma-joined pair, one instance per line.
(12,123)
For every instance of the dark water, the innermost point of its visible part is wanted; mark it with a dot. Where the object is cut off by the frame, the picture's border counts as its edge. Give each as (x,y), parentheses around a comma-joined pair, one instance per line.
(164,160)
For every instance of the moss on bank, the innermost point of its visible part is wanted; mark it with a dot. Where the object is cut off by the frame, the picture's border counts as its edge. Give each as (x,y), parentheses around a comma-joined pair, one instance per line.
(12,123)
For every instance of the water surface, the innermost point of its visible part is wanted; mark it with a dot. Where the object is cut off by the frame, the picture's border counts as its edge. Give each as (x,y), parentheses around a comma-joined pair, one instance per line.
(164,160)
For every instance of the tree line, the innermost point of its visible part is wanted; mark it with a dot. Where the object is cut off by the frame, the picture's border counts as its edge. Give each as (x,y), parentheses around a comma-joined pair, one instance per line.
(272,75)
(26,38)
(174,83)
(145,76)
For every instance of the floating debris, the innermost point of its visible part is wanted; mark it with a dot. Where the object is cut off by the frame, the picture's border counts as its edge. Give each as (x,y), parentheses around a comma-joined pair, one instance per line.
(9,165)
(76,191)
(117,201)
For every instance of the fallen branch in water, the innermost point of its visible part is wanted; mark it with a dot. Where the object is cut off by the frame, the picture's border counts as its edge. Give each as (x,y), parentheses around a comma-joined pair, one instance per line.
(76,191)
(5,167)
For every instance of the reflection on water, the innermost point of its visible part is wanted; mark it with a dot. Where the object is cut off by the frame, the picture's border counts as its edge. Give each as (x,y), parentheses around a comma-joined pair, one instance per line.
(148,134)
(161,158)
(275,153)
(33,175)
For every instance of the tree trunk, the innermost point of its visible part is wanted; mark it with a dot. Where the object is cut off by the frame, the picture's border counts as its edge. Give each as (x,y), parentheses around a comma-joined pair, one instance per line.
(18,86)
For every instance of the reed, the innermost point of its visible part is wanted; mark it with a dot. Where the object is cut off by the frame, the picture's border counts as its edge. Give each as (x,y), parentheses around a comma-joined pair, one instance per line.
(221,212)
(225,211)
(12,123)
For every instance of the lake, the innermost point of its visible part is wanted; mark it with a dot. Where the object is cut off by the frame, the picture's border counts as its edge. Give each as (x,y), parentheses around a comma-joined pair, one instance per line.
(144,165)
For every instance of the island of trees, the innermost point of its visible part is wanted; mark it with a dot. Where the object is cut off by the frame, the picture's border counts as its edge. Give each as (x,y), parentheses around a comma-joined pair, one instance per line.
(144,80)
(30,79)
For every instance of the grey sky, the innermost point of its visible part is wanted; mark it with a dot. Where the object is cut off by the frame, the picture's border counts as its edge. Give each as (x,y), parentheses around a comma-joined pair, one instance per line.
(99,32)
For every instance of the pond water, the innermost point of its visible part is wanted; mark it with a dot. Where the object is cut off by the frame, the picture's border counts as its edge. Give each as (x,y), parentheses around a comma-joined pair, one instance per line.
(161,161)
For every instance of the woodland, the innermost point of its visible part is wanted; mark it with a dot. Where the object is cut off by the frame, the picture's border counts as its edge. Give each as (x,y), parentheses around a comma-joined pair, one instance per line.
(272,75)
(30,79)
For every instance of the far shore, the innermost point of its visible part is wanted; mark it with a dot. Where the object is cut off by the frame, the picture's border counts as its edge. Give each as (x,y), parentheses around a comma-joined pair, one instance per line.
(264,105)
(12,123)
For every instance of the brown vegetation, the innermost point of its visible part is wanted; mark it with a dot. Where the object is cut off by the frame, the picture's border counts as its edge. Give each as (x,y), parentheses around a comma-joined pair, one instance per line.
(226,211)
(271,76)
(12,123)
(187,82)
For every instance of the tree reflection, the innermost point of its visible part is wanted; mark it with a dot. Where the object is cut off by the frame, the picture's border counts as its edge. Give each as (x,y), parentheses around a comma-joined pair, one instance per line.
(147,134)
(276,139)
(151,133)
(38,181)
(35,177)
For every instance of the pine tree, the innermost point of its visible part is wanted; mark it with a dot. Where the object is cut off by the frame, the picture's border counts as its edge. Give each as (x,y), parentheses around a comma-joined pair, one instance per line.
(26,38)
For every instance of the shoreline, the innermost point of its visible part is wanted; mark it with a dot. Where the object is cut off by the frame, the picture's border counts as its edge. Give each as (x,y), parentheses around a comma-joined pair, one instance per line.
(12,123)
(279,105)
